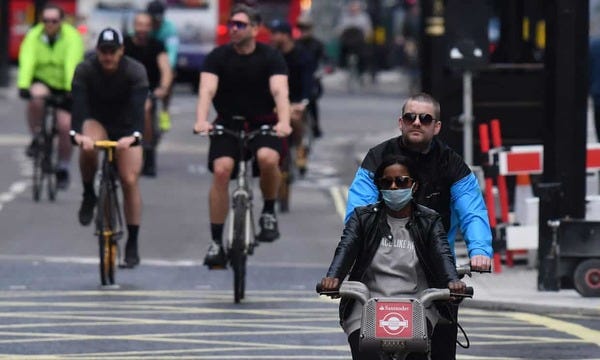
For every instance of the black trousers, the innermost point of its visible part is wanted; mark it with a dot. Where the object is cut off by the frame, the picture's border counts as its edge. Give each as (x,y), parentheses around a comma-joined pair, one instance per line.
(443,340)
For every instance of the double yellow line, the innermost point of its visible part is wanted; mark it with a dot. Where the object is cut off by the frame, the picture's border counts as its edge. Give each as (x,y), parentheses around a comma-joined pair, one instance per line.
(339,194)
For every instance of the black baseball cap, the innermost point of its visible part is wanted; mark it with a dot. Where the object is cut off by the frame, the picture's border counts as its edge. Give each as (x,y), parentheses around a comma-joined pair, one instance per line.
(280,26)
(109,38)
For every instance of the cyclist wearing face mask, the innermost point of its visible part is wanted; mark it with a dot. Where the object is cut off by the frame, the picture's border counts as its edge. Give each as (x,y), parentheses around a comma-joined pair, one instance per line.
(395,247)
(447,186)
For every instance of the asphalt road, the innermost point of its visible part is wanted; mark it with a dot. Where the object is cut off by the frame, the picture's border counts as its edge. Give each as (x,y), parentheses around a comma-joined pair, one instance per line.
(171,307)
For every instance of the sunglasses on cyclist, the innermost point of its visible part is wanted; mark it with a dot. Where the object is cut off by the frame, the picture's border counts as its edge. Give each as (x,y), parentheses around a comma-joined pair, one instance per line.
(410,118)
(50,21)
(402,182)
(240,25)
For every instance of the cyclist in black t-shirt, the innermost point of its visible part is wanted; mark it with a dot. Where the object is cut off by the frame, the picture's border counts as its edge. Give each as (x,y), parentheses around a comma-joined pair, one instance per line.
(109,91)
(300,84)
(153,55)
(320,64)
(243,78)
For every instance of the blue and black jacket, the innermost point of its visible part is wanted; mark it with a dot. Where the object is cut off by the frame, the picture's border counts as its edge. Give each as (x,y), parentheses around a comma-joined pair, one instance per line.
(446,184)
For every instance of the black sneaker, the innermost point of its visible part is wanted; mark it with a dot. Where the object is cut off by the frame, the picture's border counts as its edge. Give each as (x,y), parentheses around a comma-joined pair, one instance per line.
(215,257)
(268,228)
(31,148)
(149,165)
(317,133)
(62,179)
(86,211)
(132,259)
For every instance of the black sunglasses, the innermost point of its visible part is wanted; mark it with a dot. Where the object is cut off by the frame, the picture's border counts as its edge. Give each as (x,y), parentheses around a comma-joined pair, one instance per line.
(410,118)
(240,25)
(400,181)
(50,21)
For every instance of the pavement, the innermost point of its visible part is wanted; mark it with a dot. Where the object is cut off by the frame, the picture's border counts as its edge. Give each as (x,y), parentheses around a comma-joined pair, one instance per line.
(512,288)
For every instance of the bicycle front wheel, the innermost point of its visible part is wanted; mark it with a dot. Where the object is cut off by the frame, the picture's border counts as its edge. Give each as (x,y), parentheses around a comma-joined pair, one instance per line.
(50,164)
(238,263)
(108,258)
(237,253)
(38,172)
(107,210)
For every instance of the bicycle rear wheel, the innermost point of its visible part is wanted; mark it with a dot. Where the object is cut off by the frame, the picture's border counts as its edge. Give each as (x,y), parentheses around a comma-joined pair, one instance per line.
(237,253)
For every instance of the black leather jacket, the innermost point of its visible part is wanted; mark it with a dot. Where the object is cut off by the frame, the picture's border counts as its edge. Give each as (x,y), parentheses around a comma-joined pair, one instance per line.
(363,233)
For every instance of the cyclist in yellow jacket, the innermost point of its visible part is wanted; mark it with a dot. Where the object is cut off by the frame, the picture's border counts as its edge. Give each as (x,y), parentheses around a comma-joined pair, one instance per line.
(47,59)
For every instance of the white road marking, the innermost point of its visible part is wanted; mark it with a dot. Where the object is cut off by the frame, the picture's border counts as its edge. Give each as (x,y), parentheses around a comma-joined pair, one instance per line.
(86,260)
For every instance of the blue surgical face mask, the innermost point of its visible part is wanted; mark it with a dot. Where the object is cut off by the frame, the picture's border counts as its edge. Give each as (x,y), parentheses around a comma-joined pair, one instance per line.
(397,199)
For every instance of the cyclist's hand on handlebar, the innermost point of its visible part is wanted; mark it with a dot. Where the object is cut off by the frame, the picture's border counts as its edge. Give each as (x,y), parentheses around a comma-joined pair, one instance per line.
(481,263)
(84,142)
(456,287)
(24,94)
(330,284)
(160,92)
(202,127)
(126,142)
(282,129)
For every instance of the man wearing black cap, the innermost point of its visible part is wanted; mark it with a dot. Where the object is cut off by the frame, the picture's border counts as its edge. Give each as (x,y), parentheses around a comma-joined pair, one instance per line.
(166,32)
(109,91)
(249,79)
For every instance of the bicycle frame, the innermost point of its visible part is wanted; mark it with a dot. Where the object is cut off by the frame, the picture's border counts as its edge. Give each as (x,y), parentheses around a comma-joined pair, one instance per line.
(109,220)
(240,230)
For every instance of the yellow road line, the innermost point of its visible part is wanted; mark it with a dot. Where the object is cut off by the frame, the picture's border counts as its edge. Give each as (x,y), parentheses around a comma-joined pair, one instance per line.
(575,330)
(338,200)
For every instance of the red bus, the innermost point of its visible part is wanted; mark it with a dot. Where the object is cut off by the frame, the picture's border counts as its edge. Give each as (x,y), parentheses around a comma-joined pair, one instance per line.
(268,9)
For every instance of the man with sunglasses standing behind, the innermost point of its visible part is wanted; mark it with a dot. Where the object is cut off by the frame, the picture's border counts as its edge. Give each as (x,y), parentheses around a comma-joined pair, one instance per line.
(249,79)
(47,59)
(447,186)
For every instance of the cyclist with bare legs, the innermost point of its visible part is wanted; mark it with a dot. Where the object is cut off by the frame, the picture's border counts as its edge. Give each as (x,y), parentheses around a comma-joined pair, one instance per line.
(47,59)
(109,91)
(249,79)
(152,54)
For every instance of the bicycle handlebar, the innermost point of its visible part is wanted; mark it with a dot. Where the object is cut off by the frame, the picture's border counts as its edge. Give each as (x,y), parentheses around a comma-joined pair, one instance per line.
(50,99)
(466,269)
(221,130)
(359,291)
(107,143)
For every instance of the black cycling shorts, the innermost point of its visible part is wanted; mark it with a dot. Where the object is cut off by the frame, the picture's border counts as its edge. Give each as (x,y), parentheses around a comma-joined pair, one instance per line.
(228,146)
(115,134)
(66,104)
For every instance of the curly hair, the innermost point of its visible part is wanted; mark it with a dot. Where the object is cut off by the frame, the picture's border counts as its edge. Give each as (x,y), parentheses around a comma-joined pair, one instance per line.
(393,159)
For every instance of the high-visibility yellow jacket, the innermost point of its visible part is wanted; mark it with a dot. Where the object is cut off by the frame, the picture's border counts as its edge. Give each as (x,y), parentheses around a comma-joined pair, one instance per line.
(54,65)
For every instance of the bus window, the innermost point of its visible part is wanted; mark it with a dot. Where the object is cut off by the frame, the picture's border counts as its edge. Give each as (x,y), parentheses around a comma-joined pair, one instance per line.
(196,23)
